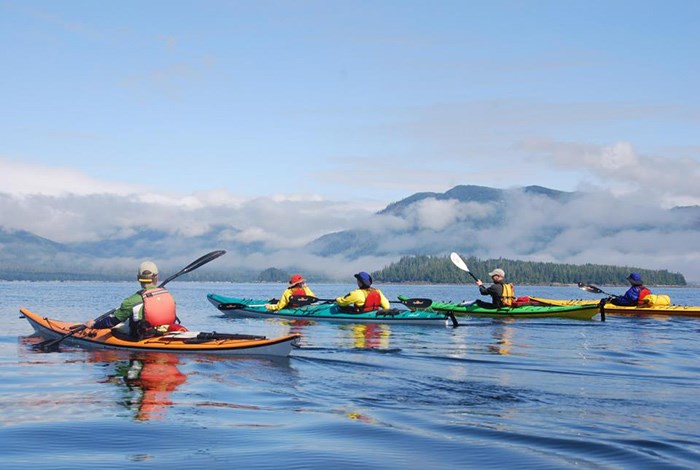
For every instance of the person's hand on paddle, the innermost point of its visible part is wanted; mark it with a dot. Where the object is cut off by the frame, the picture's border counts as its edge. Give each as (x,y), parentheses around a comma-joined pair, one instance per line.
(89,323)
(479,283)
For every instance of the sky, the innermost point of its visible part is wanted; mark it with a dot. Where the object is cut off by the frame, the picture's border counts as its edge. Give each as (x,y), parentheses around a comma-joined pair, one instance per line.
(323,112)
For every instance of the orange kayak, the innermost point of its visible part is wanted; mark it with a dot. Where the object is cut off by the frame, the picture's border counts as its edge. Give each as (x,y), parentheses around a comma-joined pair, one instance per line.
(176,342)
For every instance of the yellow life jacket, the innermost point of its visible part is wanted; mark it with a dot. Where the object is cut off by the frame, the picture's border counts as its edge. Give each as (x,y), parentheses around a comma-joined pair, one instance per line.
(508,295)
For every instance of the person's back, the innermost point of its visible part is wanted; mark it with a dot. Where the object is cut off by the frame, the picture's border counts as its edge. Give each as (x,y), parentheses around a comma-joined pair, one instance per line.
(365,298)
(297,286)
(147,312)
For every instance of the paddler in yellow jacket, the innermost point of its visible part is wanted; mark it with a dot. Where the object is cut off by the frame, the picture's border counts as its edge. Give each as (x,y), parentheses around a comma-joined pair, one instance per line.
(297,286)
(365,298)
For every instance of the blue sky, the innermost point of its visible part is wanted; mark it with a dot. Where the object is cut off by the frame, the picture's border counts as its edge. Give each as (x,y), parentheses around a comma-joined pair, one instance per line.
(342,100)
(289,120)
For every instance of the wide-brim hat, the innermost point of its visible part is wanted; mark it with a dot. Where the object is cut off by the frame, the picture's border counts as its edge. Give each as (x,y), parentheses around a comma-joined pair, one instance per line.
(364,278)
(296,279)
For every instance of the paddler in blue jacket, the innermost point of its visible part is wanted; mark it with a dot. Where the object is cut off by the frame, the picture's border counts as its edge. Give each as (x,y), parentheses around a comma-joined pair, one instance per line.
(365,298)
(635,294)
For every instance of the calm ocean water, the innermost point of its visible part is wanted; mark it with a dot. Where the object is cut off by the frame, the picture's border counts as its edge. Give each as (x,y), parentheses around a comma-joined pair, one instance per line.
(540,393)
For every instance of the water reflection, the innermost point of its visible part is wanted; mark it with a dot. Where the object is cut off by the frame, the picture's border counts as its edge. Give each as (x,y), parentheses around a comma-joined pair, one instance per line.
(503,335)
(148,381)
(370,336)
(361,335)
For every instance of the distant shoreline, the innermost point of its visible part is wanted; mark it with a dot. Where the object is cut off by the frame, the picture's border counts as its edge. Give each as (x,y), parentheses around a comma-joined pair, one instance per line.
(339,281)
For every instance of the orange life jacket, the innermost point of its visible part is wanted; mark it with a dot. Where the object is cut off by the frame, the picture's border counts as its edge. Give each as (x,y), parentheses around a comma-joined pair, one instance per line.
(158,307)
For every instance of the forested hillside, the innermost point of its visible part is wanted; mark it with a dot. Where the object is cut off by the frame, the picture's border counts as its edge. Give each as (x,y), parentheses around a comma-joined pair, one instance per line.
(440,270)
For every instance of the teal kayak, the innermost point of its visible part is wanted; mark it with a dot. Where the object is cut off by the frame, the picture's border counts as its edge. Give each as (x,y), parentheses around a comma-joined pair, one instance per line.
(255,308)
(578,312)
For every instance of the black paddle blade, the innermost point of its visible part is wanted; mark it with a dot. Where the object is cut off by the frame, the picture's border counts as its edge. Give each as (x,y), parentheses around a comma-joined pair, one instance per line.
(302,300)
(195,264)
(203,337)
(590,288)
(451,316)
(50,345)
(231,306)
(417,303)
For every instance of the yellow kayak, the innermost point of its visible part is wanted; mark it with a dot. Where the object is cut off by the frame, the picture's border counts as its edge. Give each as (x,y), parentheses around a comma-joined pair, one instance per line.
(610,309)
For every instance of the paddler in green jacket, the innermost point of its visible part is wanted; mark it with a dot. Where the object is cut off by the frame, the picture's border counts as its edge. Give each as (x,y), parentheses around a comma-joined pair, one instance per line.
(365,298)
(149,311)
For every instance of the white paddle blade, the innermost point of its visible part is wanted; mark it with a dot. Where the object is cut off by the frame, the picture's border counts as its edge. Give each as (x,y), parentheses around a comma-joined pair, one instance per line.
(458,261)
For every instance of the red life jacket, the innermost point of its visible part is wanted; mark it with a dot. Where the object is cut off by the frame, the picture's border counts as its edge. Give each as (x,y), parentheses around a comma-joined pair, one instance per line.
(373,301)
(297,291)
(158,307)
(643,292)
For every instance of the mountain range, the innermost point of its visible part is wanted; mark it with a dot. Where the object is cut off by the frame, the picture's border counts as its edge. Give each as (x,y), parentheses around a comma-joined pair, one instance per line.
(529,223)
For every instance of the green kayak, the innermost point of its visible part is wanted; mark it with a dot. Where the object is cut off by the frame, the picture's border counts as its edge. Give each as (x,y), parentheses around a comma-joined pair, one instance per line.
(255,308)
(578,312)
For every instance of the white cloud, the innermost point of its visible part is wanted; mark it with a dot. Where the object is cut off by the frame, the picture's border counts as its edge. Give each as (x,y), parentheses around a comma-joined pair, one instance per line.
(665,180)
(20,178)
(630,228)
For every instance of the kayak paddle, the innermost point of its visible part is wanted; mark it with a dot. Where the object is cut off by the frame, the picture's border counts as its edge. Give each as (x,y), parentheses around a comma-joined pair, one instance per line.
(459,262)
(305,300)
(594,289)
(52,344)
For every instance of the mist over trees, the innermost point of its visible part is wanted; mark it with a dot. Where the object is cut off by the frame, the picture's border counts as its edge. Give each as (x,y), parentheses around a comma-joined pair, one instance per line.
(440,270)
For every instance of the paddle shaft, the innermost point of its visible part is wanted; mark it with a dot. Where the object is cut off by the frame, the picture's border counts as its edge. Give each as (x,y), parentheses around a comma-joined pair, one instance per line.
(307,299)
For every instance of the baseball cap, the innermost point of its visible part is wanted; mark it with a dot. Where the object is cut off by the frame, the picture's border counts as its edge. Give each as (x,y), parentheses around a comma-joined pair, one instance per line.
(498,271)
(147,271)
